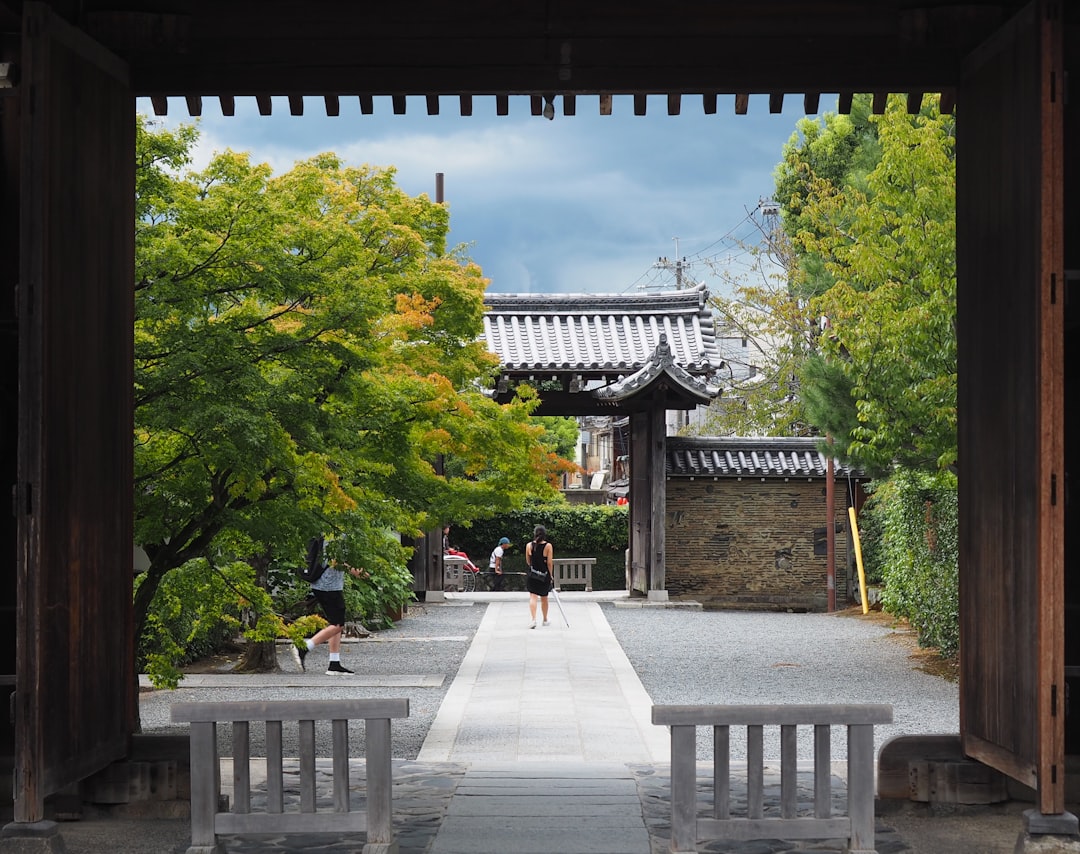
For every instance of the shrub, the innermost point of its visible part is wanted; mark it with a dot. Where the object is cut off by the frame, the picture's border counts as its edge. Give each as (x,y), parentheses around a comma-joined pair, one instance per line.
(199,608)
(915,551)
(202,606)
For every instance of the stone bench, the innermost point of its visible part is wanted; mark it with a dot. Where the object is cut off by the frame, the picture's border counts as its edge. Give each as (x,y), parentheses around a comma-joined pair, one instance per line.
(573,570)
(207,819)
(687,828)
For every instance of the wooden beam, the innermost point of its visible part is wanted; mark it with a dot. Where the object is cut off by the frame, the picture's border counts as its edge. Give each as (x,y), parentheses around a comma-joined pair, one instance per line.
(708,103)
(879,101)
(605,103)
(641,103)
(333,105)
(843,103)
(296,105)
(399,104)
(265,104)
(160,104)
(569,104)
(742,103)
(674,104)
(432,105)
(811,102)
(502,105)
(536,105)
(776,102)
(465,105)
(194,105)
(914,103)
(367,105)
(228,105)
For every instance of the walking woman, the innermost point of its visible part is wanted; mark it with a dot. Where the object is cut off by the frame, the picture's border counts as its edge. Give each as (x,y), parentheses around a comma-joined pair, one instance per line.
(540,577)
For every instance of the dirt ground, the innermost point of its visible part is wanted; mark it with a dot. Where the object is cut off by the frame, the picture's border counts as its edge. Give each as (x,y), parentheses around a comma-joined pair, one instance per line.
(928,660)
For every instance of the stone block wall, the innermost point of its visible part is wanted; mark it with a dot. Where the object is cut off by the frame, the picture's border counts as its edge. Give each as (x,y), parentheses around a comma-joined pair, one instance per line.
(750,543)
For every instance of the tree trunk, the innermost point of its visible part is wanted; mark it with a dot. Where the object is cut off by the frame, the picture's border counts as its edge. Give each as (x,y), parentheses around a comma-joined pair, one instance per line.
(260,656)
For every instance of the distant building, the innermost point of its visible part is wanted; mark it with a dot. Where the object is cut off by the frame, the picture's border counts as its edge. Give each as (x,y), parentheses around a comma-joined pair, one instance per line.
(747,523)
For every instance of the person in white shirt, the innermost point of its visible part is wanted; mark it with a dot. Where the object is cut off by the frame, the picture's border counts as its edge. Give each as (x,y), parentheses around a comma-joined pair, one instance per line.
(495,564)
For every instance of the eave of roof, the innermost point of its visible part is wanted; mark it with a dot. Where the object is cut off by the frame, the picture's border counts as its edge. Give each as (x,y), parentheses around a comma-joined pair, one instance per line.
(740,456)
(659,369)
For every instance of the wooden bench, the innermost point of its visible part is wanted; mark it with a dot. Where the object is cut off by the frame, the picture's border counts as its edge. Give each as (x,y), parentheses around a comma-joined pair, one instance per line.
(573,570)
(206,819)
(857,826)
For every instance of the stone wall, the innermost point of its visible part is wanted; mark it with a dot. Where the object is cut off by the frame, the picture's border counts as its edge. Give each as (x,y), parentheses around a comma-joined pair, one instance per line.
(750,543)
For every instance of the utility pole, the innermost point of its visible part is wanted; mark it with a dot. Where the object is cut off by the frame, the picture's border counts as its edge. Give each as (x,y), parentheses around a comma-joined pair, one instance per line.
(676,267)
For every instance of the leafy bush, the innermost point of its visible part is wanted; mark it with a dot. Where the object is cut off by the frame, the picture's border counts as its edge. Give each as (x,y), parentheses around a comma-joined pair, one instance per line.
(198,608)
(915,550)
(202,606)
(575,530)
(371,600)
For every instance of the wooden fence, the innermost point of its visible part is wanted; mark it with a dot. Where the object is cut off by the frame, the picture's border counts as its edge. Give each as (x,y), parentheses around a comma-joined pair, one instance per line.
(206,819)
(687,828)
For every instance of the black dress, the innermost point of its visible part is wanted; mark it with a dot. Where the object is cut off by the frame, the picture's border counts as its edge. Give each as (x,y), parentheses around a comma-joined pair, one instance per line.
(539,586)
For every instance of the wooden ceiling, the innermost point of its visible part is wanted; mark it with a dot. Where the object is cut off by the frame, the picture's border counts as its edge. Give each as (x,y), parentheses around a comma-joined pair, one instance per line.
(690,51)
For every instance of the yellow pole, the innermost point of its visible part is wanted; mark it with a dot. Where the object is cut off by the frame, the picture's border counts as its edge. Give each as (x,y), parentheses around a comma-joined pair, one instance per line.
(858,560)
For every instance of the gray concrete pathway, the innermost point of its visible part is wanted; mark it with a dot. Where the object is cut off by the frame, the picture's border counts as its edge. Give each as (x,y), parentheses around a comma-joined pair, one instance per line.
(547,719)
(543,807)
(556,693)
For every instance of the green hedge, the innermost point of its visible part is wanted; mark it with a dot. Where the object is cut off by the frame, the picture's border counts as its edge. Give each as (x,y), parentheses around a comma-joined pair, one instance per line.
(913,547)
(575,530)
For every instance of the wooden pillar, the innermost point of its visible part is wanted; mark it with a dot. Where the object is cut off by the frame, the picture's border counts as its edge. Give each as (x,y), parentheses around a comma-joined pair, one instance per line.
(657,501)
(640,503)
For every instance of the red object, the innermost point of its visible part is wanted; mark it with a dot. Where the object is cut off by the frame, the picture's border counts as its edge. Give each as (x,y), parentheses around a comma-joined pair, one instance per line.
(472,567)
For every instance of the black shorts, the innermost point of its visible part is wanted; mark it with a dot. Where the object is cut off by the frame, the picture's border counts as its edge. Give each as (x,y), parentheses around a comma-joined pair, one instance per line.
(332,603)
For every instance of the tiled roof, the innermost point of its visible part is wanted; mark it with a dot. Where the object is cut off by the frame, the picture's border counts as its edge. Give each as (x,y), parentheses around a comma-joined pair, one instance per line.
(597,333)
(748,457)
(661,364)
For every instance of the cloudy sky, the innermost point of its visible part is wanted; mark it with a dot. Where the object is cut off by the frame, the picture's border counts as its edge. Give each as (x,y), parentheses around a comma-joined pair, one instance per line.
(578,204)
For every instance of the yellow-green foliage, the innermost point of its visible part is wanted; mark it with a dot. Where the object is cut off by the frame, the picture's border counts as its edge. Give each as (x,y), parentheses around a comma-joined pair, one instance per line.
(916,553)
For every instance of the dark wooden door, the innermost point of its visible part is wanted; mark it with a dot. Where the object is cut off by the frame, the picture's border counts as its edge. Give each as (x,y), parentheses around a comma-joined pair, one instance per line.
(1010,301)
(74,677)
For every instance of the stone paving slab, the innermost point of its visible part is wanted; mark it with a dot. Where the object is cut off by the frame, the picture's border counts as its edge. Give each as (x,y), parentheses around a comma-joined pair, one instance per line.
(532,808)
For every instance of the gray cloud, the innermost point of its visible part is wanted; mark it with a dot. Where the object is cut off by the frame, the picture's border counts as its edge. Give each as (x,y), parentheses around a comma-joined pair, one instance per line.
(578,204)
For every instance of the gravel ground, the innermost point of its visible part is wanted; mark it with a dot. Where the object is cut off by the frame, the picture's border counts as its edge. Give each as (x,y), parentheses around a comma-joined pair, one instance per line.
(681,656)
(736,657)
(429,640)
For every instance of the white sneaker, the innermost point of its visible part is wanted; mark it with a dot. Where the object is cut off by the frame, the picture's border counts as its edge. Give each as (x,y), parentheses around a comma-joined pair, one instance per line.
(546,623)
(532,625)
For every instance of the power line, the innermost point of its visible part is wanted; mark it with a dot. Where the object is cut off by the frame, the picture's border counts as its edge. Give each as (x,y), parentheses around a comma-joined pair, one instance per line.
(739,244)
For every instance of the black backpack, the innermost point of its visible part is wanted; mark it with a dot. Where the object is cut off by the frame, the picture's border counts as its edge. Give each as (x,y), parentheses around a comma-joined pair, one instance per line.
(315,566)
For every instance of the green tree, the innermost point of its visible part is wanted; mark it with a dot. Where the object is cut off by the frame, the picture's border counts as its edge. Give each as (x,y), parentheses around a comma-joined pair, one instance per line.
(770,305)
(887,247)
(560,434)
(767,310)
(305,348)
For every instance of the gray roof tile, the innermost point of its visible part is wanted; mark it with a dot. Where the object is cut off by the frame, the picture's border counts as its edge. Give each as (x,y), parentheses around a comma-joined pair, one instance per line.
(601,332)
(740,456)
